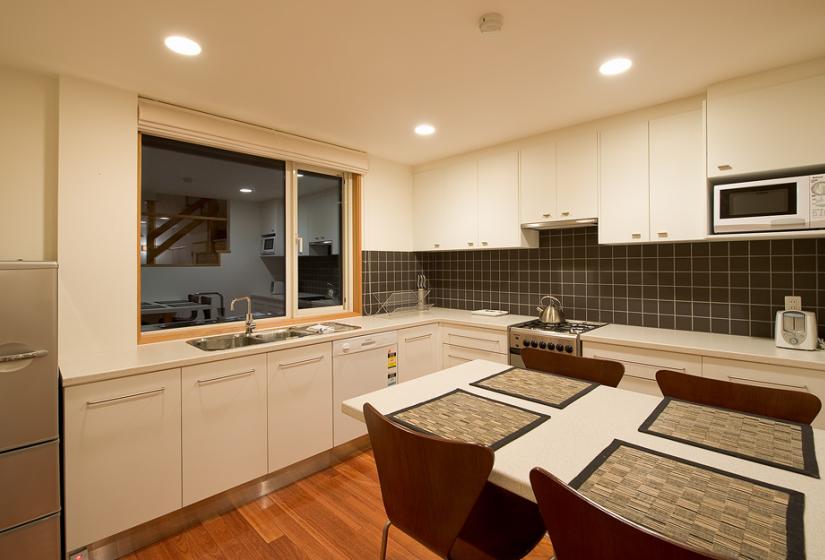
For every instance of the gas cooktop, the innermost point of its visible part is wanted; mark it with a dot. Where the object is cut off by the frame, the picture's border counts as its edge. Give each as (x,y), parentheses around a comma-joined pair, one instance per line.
(568,327)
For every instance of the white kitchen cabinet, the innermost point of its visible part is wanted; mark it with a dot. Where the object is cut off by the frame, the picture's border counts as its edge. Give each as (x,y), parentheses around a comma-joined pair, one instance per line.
(418,352)
(641,364)
(224,411)
(300,403)
(498,202)
(445,207)
(768,375)
(758,127)
(577,191)
(538,183)
(623,183)
(457,355)
(678,187)
(463,344)
(122,454)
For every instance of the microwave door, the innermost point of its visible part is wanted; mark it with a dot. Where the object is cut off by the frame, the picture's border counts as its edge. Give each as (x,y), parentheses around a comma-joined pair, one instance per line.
(760,206)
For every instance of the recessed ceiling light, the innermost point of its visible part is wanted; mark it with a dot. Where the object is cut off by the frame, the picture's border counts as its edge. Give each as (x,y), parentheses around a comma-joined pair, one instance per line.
(615,66)
(424,129)
(182,45)
(246,190)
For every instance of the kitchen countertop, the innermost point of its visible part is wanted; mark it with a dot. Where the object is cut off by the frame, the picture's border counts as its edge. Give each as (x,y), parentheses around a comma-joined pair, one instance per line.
(86,367)
(747,348)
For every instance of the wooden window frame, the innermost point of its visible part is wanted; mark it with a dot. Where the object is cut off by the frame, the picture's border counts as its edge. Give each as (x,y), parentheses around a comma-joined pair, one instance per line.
(182,333)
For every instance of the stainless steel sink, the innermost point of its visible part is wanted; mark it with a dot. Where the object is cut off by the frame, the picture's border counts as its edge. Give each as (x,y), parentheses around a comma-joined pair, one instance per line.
(228,341)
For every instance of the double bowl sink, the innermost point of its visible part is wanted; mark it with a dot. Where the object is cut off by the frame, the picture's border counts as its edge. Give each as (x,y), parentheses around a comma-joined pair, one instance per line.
(239,340)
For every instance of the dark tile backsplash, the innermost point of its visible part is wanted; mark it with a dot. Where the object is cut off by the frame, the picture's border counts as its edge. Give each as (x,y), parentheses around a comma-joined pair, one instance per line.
(731,287)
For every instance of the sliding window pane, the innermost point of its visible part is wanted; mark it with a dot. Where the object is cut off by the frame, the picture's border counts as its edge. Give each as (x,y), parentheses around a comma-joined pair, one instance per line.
(212,229)
(320,220)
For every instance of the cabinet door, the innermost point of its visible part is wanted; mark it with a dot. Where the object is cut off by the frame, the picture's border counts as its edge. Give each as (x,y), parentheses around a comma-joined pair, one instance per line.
(623,183)
(122,454)
(577,177)
(766,128)
(457,355)
(678,188)
(300,404)
(458,218)
(418,352)
(537,186)
(429,210)
(498,207)
(224,425)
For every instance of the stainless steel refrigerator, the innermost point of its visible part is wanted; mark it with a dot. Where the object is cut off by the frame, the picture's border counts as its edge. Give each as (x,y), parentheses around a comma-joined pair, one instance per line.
(29,444)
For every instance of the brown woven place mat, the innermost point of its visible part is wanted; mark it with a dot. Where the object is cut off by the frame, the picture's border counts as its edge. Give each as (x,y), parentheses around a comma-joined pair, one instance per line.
(778,443)
(470,418)
(709,509)
(542,387)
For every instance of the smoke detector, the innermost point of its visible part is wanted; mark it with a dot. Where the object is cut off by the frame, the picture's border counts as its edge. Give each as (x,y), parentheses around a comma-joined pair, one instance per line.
(490,22)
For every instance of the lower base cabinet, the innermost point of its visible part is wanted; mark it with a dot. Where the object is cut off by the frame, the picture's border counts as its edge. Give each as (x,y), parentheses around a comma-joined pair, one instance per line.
(456,355)
(122,454)
(224,422)
(300,404)
(418,352)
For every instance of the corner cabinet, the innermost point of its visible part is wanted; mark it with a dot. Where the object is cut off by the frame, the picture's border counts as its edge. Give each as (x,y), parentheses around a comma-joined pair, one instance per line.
(122,453)
(470,205)
(224,423)
(652,181)
(418,352)
(300,403)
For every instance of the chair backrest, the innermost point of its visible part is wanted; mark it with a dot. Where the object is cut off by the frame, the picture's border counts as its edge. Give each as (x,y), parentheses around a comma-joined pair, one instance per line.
(606,372)
(429,484)
(581,529)
(796,406)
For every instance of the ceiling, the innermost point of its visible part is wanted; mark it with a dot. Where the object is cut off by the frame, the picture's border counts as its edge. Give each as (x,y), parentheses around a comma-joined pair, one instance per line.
(362,73)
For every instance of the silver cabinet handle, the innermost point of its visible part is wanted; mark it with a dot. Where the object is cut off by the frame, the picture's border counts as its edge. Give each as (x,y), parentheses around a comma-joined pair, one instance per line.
(566,213)
(484,243)
(225,377)
(300,241)
(724,167)
(758,383)
(671,368)
(546,215)
(470,243)
(420,337)
(130,396)
(23,356)
(285,365)
(636,235)
(661,233)
(368,343)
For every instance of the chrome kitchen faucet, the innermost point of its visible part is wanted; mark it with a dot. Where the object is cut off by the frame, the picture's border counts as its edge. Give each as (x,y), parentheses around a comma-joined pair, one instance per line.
(250,324)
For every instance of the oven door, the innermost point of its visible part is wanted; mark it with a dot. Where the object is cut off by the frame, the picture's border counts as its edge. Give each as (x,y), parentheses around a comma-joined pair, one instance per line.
(770,205)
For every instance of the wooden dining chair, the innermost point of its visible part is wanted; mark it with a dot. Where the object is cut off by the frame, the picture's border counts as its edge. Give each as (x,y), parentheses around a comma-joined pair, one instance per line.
(436,491)
(796,406)
(605,372)
(581,529)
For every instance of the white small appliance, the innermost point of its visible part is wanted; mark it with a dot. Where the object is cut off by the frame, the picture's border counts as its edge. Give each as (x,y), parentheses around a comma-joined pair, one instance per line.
(796,329)
(360,365)
(788,203)
(268,245)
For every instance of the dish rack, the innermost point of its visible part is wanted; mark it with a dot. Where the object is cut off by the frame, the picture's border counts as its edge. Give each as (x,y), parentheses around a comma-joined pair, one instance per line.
(410,300)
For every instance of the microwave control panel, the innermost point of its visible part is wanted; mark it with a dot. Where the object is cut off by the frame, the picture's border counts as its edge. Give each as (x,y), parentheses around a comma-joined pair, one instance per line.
(818,201)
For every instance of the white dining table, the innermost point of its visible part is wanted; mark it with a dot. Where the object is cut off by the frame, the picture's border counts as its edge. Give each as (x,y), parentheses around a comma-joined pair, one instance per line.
(573,436)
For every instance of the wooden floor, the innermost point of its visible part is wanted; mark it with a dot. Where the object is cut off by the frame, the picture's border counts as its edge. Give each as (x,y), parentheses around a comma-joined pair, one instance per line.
(336,513)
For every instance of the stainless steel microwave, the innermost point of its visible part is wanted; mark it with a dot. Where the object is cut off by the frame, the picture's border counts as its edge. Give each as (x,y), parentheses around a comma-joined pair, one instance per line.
(790,203)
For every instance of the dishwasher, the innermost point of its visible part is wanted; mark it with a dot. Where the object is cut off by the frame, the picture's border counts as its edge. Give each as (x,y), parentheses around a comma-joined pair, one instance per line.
(360,365)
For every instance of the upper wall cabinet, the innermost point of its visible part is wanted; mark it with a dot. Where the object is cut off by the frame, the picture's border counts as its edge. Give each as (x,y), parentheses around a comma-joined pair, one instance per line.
(765,127)
(469,205)
(559,180)
(652,180)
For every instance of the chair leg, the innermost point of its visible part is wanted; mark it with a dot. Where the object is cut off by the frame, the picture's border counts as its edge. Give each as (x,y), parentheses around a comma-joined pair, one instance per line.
(384,536)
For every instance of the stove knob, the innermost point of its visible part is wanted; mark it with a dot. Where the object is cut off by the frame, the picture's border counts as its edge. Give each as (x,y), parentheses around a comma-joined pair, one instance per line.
(568,349)
(533,343)
(542,345)
(526,343)
(559,348)
(551,346)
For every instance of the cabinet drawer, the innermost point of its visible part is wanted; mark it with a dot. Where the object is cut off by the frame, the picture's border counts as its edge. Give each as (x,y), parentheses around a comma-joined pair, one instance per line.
(29,484)
(480,339)
(122,446)
(643,363)
(767,375)
(224,425)
(39,540)
(457,355)
(300,404)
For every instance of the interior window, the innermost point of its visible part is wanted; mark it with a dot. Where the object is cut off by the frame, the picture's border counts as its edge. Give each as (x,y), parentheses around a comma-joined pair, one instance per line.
(320,236)
(212,229)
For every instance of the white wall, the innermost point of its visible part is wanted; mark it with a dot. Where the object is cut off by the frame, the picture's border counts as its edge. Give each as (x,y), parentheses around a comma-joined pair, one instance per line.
(28,166)
(387,207)
(242,271)
(97,218)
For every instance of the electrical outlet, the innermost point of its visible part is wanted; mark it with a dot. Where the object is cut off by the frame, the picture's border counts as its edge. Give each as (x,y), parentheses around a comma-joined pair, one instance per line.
(793,303)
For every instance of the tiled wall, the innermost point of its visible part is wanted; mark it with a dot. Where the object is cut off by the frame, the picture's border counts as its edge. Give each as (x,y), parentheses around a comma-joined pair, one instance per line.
(723,287)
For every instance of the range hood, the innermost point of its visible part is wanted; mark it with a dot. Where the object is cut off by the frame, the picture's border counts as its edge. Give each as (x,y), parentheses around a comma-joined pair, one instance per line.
(559,224)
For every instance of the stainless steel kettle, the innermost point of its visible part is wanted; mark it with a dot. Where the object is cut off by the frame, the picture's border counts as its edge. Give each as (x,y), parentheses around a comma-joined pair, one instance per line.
(552,313)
